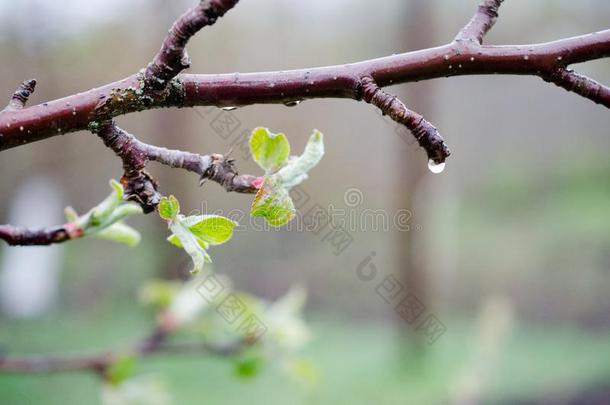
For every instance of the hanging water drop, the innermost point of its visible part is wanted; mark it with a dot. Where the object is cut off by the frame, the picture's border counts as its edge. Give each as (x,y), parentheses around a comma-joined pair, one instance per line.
(292,103)
(435,167)
(230,108)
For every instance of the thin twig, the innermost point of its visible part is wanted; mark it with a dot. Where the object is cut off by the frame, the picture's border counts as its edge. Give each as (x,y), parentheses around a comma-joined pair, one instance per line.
(22,236)
(581,85)
(143,189)
(480,24)
(426,134)
(99,362)
(21,95)
(173,58)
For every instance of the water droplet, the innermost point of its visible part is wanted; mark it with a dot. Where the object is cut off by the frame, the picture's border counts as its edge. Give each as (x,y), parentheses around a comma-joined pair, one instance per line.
(472,58)
(446,57)
(21,128)
(292,103)
(230,108)
(436,168)
(559,58)
(526,57)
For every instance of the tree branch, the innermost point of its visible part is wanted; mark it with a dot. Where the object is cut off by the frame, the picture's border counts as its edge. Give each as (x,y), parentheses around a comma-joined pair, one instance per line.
(89,109)
(425,133)
(581,85)
(141,187)
(481,22)
(21,236)
(99,363)
(173,58)
(362,80)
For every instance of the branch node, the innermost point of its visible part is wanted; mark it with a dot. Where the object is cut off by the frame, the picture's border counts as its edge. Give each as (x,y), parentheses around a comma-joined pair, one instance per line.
(222,171)
(141,188)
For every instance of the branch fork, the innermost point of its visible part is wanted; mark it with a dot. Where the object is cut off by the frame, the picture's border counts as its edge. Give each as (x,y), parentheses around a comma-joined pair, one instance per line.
(173,58)
(161,84)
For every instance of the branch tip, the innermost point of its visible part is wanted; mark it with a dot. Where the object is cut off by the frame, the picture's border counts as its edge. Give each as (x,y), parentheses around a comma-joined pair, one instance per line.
(424,132)
(581,85)
(222,171)
(21,95)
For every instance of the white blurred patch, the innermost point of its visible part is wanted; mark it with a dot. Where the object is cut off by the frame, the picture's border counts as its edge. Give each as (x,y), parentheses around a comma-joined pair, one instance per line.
(55,21)
(29,275)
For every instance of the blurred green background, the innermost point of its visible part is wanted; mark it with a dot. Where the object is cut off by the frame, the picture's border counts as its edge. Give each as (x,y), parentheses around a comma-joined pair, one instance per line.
(509,248)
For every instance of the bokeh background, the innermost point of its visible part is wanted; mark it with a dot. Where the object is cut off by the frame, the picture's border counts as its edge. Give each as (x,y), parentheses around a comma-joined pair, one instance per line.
(508,248)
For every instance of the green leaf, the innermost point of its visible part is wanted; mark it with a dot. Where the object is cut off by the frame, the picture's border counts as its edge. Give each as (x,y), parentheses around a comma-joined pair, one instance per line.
(103,210)
(121,369)
(124,211)
(120,233)
(173,239)
(103,220)
(295,172)
(120,213)
(269,150)
(169,208)
(214,229)
(190,245)
(249,364)
(118,188)
(192,220)
(273,203)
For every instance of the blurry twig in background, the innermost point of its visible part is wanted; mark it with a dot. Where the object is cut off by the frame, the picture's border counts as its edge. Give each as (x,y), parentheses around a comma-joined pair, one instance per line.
(154,344)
